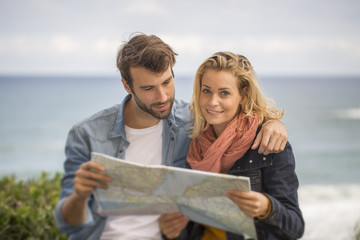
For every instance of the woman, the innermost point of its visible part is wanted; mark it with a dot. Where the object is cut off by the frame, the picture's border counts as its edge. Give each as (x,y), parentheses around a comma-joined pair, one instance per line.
(228,108)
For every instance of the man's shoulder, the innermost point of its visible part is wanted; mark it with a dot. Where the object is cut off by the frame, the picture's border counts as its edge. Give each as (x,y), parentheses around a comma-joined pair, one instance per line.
(103,117)
(180,103)
(181,112)
(180,106)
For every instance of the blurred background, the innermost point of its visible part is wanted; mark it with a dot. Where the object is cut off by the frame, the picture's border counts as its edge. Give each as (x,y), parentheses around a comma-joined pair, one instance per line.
(57,66)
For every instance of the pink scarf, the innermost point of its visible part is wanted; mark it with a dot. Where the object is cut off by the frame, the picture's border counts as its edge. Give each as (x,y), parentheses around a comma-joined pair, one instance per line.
(211,154)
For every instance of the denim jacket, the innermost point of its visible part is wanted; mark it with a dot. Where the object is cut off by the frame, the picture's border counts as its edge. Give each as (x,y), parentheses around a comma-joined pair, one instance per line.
(273,175)
(104,132)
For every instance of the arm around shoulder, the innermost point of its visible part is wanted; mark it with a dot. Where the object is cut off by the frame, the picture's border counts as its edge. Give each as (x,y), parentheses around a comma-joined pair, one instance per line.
(272,138)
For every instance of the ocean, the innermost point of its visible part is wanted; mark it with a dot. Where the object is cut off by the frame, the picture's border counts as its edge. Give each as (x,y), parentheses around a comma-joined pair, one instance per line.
(322,116)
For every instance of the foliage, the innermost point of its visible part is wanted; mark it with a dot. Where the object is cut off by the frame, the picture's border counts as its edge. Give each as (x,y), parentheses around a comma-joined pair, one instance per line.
(357,231)
(27,208)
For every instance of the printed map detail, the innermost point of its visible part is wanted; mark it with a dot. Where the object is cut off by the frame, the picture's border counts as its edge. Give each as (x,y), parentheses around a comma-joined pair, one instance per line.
(156,189)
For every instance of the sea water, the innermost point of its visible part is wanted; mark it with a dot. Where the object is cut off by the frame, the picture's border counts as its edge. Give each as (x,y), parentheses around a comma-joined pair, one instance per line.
(322,116)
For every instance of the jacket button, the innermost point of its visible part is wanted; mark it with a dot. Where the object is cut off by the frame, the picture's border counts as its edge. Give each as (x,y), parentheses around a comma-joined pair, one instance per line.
(172,138)
(121,151)
(250,161)
(264,158)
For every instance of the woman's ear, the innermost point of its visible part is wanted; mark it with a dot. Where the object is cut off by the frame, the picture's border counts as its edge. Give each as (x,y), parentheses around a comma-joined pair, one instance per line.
(244,98)
(244,91)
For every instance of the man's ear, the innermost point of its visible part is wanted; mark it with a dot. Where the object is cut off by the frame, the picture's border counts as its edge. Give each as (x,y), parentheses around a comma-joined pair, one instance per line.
(126,86)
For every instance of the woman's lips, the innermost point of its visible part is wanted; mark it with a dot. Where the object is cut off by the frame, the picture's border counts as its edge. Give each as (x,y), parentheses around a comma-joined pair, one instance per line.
(213,112)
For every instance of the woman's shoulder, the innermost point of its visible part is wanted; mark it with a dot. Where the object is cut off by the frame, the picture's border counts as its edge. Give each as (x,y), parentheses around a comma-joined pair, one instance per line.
(252,159)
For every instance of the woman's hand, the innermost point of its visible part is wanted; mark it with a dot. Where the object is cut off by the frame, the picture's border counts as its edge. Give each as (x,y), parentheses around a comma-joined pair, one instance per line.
(253,204)
(172,224)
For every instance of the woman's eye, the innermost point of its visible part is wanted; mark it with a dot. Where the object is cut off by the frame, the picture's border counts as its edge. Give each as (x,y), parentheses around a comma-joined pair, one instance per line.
(224,93)
(206,91)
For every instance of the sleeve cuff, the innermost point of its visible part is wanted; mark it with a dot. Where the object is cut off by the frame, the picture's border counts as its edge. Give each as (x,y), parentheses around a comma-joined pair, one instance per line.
(270,208)
(67,228)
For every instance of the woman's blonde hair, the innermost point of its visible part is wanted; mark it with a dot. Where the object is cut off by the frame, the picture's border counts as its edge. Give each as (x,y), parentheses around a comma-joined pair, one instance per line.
(253,99)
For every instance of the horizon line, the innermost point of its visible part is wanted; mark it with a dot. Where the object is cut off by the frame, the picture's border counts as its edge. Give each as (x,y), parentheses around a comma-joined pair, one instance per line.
(97,75)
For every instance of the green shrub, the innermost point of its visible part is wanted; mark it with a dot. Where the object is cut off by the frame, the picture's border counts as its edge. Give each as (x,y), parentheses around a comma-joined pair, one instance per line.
(27,208)
(357,231)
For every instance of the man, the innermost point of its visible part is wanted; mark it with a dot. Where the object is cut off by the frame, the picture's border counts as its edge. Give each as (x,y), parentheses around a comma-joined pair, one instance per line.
(150,126)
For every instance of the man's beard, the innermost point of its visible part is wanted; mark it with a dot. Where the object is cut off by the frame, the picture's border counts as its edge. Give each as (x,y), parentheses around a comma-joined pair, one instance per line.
(158,115)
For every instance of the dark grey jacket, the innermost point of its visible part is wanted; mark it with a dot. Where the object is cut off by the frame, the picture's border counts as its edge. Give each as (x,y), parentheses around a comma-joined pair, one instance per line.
(275,176)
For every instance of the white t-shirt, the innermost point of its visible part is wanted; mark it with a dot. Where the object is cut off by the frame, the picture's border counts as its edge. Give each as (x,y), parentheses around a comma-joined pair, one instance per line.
(145,148)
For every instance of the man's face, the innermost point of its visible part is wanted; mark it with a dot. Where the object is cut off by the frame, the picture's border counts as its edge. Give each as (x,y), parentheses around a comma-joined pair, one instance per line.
(153,92)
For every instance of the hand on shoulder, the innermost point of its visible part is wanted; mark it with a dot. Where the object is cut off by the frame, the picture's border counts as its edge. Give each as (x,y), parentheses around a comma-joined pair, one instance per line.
(272,138)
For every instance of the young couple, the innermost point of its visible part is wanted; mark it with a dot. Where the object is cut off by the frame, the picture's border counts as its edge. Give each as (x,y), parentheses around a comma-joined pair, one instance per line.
(230,127)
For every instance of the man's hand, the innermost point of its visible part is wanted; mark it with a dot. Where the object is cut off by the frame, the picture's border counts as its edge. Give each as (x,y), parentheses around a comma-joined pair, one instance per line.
(272,138)
(172,224)
(86,180)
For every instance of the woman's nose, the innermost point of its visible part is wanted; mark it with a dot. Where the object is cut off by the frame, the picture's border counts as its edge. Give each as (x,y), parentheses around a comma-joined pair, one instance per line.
(214,100)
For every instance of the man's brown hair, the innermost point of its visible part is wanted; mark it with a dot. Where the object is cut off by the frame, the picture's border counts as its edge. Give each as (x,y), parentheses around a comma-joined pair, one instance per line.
(147,51)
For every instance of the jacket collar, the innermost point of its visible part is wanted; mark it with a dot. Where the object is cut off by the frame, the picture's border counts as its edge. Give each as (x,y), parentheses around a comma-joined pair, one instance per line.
(171,118)
(118,128)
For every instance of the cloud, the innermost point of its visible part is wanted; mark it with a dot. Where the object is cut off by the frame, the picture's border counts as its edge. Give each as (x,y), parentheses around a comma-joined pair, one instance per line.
(64,44)
(191,44)
(146,8)
(83,35)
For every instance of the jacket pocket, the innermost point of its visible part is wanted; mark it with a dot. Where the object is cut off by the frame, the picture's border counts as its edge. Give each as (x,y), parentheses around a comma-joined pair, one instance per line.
(255,179)
(251,165)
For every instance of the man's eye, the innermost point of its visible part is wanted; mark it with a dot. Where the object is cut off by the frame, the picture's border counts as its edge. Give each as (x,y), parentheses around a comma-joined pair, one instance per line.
(148,88)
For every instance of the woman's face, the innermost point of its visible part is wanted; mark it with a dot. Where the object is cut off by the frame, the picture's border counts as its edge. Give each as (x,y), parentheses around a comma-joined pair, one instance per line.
(219,98)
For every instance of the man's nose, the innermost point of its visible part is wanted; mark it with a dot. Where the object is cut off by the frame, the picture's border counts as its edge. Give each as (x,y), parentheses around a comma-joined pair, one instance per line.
(161,95)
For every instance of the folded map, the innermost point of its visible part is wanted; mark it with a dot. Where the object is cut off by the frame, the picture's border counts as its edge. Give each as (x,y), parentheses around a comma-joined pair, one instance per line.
(157,189)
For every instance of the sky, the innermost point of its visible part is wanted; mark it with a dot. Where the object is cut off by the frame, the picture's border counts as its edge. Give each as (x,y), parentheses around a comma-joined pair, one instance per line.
(280,37)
